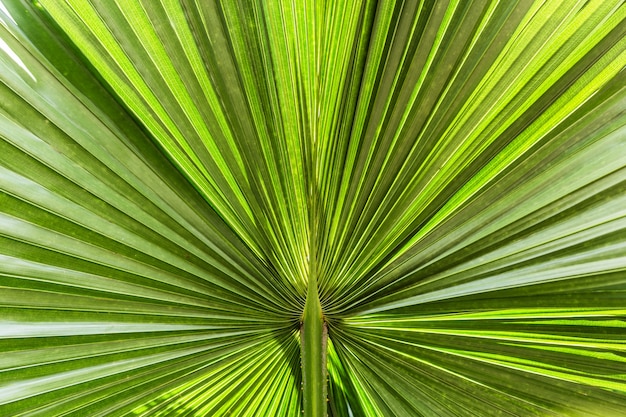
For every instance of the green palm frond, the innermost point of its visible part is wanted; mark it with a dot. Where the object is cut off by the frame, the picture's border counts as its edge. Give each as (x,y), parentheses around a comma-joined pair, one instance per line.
(445,180)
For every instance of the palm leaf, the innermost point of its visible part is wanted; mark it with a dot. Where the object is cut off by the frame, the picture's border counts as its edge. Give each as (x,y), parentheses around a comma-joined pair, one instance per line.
(448,177)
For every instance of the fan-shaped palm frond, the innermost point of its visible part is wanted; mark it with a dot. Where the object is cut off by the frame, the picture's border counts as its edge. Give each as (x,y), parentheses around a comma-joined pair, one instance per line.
(423,200)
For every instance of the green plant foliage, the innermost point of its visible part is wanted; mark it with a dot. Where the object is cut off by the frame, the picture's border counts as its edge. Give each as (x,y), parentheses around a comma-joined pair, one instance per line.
(450,173)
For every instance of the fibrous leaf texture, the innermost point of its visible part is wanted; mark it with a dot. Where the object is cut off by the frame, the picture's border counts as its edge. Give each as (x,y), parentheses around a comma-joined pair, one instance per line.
(176,175)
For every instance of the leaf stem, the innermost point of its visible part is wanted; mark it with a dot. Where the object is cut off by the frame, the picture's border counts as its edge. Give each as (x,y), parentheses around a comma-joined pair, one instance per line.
(314,341)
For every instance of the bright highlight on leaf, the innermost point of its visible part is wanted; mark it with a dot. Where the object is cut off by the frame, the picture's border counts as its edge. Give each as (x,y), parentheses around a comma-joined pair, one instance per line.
(179,178)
